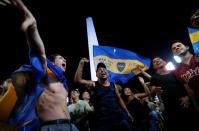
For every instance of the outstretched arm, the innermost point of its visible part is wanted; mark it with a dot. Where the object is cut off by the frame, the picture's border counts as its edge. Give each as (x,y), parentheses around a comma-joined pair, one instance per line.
(122,104)
(78,75)
(144,73)
(29,27)
(146,89)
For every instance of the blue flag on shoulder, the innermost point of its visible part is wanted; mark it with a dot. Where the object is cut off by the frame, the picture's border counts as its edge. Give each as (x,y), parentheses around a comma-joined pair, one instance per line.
(121,64)
(194,38)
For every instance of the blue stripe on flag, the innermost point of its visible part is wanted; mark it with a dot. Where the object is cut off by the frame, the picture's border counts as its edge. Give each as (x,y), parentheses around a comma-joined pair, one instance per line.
(196,47)
(194,38)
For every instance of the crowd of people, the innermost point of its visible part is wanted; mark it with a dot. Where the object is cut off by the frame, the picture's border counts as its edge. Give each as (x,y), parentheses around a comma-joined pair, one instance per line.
(36,96)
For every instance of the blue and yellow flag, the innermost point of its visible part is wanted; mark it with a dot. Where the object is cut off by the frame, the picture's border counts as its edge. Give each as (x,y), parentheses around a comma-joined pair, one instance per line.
(194,38)
(121,64)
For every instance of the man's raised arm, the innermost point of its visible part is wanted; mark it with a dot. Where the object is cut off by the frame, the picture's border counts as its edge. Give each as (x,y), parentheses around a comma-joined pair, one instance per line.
(29,27)
(79,72)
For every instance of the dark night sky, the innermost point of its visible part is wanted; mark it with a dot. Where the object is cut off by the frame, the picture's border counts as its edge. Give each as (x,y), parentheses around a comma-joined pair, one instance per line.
(143,27)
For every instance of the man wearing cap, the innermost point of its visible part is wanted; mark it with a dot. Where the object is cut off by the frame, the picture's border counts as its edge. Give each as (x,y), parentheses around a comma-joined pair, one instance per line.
(109,109)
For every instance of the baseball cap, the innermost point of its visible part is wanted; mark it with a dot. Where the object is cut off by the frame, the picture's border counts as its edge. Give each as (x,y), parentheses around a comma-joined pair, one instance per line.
(75,89)
(101,65)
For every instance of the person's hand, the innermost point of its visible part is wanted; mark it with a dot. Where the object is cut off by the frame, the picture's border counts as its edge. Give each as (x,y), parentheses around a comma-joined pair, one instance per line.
(130,117)
(140,68)
(157,90)
(29,19)
(184,102)
(5,2)
(84,60)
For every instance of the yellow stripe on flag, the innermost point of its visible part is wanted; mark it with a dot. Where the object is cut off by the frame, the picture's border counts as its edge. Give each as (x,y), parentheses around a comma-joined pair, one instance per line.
(126,65)
(194,37)
(50,73)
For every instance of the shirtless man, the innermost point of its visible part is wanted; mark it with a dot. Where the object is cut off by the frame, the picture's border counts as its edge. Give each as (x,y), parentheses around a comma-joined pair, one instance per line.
(51,105)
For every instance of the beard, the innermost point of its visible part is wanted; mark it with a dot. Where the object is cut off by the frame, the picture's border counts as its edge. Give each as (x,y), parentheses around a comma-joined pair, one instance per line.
(182,55)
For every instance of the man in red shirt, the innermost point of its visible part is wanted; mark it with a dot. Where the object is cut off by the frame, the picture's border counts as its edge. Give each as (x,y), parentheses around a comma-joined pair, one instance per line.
(188,70)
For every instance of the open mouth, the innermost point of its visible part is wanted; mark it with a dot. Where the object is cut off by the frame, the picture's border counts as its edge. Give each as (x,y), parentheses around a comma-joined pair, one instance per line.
(63,65)
(157,62)
(103,74)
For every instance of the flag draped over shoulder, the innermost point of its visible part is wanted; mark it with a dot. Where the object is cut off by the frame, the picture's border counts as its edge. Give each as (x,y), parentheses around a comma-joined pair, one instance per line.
(54,71)
(194,38)
(121,64)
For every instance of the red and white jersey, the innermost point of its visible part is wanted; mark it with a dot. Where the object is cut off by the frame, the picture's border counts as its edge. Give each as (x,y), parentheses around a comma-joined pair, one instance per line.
(189,74)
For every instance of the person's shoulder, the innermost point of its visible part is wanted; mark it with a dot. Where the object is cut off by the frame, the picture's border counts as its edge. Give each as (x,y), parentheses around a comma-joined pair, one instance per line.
(70,106)
(83,102)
